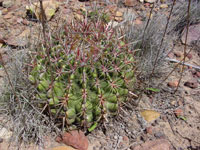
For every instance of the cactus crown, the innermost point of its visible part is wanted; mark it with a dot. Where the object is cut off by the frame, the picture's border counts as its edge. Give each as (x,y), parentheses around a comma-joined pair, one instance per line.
(84,74)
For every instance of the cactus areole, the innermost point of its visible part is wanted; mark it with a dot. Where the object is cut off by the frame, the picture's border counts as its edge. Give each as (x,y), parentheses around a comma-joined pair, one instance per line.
(84,74)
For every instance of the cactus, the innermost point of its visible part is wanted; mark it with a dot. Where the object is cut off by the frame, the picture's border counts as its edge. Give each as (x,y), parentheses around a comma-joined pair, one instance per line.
(86,74)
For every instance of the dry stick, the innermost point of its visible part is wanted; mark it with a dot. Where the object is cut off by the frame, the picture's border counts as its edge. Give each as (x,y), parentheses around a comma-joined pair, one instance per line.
(188,22)
(161,43)
(147,23)
(177,61)
(7,75)
(43,20)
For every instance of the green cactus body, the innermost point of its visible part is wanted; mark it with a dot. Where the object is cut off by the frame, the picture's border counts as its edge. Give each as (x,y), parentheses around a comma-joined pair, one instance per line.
(87,79)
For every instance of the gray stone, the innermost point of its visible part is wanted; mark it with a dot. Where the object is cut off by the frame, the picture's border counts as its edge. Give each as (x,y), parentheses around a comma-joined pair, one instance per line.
(193,34)
(150,1)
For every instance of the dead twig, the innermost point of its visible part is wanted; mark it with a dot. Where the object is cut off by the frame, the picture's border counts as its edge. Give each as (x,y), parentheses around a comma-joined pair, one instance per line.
(187,29)
(161,43)
(181,63)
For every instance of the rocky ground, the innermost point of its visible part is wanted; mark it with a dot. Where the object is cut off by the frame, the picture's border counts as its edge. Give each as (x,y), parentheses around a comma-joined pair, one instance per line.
(162,120)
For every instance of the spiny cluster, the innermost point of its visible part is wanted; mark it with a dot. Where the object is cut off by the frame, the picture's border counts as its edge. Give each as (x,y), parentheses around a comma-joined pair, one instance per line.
(85,74)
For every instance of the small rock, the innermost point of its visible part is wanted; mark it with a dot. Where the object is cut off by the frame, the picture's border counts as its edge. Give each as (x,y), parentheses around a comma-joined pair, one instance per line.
(5,134)
(118,14)
(163,6)
(8,3)
(8,16)
(149,130)
(125,141)
(159,144)
(191,84)
(189,56)
(178,112)
(198,74)
(149,1)
(138,21)
(193,34)
(147,4)
(173,84)
(159,135)
(118,19)
(177,54)
(130,3)
(170,55)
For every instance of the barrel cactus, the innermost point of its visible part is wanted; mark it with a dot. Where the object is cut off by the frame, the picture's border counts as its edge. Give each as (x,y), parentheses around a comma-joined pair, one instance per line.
(84,73)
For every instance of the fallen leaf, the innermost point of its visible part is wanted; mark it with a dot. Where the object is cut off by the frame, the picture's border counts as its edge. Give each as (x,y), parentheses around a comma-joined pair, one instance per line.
(150,115)
(153,89)
(74,138)
(63,148)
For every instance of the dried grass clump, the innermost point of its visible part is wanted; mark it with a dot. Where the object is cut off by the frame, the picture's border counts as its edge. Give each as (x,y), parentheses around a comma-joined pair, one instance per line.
(179,16)
(147,45)
(19,108)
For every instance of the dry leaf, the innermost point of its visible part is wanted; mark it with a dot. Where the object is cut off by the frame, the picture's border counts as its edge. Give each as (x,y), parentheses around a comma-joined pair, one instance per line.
(74,138)
(150,115)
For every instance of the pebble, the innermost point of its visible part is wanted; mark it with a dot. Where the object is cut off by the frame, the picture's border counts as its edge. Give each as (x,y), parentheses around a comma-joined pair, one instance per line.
(173,84)
(178,112)
(189,56)
(129,3)
(149,130)
(191,84)
(159,135)
(163,6)
(177,54)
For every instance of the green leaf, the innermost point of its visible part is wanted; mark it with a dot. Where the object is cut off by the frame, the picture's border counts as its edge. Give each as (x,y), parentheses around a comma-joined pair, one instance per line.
(92,127)
(183,118)
(153,89)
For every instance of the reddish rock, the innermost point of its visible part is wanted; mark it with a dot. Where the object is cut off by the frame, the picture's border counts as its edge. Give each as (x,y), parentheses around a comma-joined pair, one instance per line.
(178,112)
(138,21)
(130,3)
(189,56)
(191,84)
(177,54)
(198,74)
(75,138)
(193,34)
(173,84)
(125,141)
(170,55)
(160,144)
(147,4)
(149,130)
